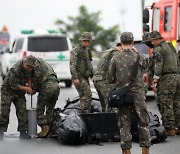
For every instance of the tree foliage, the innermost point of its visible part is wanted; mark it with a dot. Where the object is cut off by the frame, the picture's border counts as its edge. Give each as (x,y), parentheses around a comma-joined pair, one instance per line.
(85,21)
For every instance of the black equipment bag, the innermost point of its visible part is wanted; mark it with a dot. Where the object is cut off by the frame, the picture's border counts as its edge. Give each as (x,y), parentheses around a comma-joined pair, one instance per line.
(157,131)
(101,127)
(124,96)
(69,128)
(121,97)
(75,105)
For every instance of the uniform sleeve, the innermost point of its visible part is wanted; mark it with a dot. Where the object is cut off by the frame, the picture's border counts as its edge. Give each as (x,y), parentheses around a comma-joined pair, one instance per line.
(158,62)
(14,79)
(111,75)
(73,64)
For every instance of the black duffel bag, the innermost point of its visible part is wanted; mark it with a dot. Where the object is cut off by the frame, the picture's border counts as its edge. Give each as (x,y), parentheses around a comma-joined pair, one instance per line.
(121,97)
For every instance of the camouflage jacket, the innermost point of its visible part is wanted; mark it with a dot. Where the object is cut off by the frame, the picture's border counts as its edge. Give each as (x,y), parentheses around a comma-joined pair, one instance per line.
(121,68)
(42,73)
(17,76)
(165,59)
(103,65)
(80,63)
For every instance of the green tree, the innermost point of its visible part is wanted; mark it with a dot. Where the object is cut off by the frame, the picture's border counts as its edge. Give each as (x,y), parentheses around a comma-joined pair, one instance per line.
(85,21)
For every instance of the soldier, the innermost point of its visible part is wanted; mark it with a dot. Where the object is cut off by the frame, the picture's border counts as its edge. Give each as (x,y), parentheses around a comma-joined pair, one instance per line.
(81,70)
(99,78)
(13,90)
(167,82)
(119,73)
(44,81)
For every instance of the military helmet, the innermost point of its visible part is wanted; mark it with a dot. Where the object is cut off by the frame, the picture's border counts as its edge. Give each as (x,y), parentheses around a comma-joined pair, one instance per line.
(126,36)
(86,36)
(30,60)
(154,35)
(146,37)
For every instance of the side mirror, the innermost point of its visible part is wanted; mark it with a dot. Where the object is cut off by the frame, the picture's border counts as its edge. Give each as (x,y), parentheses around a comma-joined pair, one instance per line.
(146,27)
(145,16)
(8,50)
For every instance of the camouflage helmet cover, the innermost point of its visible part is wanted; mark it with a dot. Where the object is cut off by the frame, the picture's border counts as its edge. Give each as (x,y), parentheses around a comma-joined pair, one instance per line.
(126,36)
(146,37)
(86,36)
(154,35)
(30,60)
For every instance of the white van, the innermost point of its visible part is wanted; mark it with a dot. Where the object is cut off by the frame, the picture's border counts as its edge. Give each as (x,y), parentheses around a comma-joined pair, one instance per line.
(54,48)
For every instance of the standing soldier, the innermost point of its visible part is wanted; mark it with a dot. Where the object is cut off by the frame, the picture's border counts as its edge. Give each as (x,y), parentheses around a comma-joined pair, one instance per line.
(44,81)
(13,90)
(120,73)
(167,80)
(81,70)
(99,78)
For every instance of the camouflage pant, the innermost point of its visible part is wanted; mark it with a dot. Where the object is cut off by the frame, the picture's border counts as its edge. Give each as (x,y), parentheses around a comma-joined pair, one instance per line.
(103,89)
(20,104)
(47,97)
(140,113)
(169,100)
(85,95)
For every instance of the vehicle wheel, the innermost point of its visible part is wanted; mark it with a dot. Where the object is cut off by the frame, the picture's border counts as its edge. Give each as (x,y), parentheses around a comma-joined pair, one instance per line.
(68,83)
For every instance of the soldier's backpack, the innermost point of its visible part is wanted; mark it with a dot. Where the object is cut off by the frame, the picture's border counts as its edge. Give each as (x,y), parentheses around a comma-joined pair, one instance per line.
(157,131)
(104,61)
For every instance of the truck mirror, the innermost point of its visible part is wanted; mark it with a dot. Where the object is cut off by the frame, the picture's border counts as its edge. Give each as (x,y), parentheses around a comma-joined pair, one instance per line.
(145,16)
(145,28)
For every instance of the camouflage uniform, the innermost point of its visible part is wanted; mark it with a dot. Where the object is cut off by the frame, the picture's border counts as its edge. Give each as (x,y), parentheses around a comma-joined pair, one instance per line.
(166,71)
(81,68)
(45,82)
(10,92)
(100,80)
(120,73)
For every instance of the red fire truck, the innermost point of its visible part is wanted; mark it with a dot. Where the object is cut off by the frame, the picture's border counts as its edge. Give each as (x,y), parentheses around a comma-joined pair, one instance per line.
(166,19)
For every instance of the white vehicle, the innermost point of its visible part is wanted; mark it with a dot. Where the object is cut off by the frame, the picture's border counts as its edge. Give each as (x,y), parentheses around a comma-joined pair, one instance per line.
(5,61)
(54,48)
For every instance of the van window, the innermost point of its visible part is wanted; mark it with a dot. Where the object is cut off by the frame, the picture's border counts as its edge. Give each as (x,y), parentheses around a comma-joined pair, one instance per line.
(19,44)
(47,44)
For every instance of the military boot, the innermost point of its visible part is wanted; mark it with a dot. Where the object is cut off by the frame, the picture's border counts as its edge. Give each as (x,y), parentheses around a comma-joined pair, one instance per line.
(170,132)
(44,131)
(1,135)
(145,150)
(24,135)
(126,151)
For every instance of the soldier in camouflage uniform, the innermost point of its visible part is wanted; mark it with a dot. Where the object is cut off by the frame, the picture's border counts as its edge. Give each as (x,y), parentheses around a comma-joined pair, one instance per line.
(119,73)
(81,70)
(13,90)
(99,78)
(167,81)
(44,81)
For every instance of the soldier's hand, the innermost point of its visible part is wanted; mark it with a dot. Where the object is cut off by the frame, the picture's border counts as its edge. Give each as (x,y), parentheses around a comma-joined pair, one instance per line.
(30,91)
(76,82)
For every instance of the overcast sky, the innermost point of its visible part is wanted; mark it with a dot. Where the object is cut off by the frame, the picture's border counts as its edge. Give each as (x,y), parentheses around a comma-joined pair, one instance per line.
(41,14)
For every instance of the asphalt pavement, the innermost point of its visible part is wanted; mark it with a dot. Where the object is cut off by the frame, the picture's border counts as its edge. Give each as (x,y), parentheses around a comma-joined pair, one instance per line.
(13,145)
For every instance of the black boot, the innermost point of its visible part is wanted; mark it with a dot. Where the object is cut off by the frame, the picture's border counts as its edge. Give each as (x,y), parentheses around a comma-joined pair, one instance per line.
(24,135)
(1,135)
